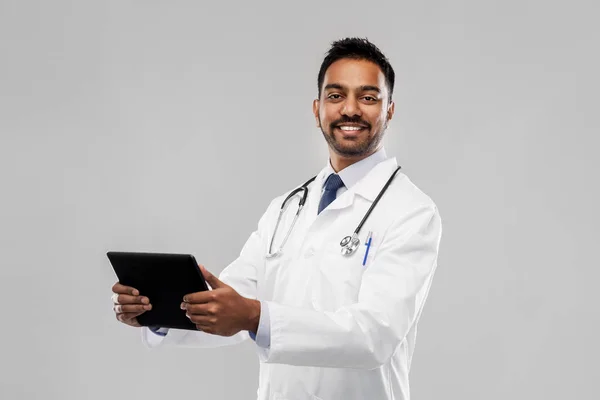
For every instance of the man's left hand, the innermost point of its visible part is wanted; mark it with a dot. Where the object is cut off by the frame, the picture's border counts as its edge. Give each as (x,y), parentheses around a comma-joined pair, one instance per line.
(221,311)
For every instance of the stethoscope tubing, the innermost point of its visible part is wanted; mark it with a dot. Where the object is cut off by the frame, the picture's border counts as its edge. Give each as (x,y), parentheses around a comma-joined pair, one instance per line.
(351,242)
(381,192)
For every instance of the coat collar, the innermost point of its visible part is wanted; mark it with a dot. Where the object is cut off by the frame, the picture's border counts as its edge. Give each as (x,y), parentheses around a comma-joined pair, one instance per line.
(352,174)
(370,186)
(367,187)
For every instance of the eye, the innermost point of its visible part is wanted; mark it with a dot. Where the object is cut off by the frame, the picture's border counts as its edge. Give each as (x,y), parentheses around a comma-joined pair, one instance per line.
(334,96)
(370,98)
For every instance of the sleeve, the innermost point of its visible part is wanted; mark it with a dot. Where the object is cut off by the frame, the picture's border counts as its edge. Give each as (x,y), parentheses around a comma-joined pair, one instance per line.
(241,275)
(263,334)
(364,335)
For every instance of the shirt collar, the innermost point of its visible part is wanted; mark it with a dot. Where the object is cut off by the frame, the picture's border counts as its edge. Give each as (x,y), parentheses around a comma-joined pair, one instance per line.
(355,172)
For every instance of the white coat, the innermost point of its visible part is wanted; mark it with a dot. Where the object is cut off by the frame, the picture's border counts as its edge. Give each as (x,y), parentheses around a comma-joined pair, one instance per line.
(339,330)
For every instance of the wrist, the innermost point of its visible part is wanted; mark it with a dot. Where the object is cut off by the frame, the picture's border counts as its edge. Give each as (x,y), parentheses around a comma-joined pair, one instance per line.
(253,315)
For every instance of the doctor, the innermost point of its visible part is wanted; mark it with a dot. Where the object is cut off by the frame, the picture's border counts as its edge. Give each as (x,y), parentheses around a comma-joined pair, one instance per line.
(331,318)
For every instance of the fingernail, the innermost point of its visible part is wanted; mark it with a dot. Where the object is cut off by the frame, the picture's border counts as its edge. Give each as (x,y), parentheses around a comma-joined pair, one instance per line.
(136,292)
(148,307)
(145,300)
(182,306)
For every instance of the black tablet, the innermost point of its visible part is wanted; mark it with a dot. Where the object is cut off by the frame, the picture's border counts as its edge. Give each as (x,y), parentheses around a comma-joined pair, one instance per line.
(164,279)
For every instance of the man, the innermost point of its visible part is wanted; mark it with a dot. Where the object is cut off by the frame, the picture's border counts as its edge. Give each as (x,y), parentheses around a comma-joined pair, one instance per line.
(327,325)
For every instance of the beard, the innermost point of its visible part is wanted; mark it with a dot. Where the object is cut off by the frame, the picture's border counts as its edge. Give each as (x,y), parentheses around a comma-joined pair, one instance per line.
(363,144)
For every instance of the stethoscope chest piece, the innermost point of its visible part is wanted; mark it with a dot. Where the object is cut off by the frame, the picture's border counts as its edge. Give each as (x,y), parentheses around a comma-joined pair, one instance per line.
(349,244)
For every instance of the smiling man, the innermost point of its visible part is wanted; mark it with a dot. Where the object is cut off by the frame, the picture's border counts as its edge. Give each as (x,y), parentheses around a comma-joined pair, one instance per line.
(331,319)
(354,106)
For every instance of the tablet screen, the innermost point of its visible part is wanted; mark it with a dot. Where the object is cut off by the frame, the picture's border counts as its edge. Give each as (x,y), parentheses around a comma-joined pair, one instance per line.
(164,279)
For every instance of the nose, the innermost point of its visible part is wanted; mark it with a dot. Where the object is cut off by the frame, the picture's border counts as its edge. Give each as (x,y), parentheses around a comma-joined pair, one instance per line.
(351,107)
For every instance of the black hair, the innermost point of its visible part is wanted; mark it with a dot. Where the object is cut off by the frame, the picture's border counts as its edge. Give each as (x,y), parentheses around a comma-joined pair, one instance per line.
(357,49)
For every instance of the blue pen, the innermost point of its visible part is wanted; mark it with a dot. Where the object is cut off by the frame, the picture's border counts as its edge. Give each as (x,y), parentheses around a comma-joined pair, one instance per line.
(368,244)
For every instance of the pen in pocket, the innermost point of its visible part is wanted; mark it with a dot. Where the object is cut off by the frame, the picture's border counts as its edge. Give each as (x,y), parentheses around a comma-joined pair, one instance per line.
(368,244)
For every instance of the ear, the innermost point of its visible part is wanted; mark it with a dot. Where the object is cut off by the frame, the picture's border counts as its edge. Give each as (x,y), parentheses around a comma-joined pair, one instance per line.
(390,113)
(390,110)
(316,112)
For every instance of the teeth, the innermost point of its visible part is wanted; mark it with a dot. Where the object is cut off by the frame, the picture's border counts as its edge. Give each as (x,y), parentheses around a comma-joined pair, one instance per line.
(351,128)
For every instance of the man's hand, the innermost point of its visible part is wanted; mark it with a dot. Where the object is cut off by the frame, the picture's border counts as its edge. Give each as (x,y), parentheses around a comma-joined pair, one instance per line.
(128,304)
(221,311)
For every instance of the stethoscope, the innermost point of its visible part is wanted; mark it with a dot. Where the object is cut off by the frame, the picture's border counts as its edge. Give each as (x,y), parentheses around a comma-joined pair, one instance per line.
(349,244)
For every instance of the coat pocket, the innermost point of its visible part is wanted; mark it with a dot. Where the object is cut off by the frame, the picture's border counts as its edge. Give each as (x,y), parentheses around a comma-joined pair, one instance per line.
(338,280)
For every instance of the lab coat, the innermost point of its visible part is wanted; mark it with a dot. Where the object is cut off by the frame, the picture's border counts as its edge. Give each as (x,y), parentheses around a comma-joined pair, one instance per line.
(339,330)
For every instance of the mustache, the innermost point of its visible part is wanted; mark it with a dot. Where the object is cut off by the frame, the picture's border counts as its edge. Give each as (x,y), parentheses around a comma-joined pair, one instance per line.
(350,120)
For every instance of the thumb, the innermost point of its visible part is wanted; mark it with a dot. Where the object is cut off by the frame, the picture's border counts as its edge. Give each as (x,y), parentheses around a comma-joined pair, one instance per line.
(212,280)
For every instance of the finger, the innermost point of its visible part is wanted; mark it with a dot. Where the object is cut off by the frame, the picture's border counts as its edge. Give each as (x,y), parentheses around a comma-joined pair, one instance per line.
(128,299)
(204,320)
(129,318)
(122,289)
(200,297)
(207,328)
(131,308)
(201,309)
(212,280)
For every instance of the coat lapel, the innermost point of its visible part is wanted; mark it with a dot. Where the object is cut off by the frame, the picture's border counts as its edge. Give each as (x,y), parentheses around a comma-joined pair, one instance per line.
(368,187)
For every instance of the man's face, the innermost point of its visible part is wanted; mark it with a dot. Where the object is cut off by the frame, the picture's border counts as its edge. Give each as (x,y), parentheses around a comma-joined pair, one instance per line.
(354,108)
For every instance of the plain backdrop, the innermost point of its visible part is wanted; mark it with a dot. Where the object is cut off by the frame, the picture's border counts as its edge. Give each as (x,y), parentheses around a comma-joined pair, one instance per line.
(168,126)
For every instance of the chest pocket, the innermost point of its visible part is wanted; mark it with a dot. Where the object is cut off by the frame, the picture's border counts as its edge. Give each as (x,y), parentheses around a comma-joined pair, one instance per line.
(340,276)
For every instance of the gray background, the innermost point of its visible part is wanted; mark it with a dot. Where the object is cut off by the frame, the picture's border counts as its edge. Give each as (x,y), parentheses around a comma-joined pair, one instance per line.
(123,123)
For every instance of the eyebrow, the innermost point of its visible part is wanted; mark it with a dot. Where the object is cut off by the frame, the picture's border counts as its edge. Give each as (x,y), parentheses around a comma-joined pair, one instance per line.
(364,88)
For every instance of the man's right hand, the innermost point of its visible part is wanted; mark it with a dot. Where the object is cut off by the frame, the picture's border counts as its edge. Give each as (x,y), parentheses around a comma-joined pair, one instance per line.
(128,304)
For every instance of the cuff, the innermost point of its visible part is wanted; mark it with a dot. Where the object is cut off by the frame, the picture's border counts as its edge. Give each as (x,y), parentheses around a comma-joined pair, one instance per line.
(158,330)
(263,334)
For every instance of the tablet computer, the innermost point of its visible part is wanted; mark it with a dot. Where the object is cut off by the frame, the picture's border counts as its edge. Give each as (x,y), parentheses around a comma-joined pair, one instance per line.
(164,279)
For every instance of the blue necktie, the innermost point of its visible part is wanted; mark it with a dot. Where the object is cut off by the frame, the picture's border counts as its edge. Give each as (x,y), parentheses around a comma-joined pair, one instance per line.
(332,184)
